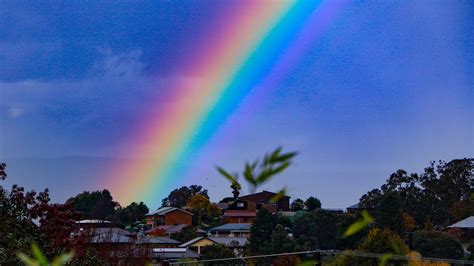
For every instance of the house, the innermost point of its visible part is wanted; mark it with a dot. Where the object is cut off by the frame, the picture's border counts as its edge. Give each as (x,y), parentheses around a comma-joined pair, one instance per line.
(157,242)
(244,209)
(240,211)
(168,216)
(231,230)
(235,243)
(464,229)
(354,209)
(172,255)
(87,224)
(265,198)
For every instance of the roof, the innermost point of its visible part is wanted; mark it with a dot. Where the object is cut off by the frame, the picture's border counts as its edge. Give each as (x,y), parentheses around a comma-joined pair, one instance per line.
(173,229)
(110,238)
(109,231)
(93,222)
(165,210)
(261,196)
(229,241)
(240,214)
(174,253)
(231,227)
(466,223)
(156,240)
(192,241)
(355,206)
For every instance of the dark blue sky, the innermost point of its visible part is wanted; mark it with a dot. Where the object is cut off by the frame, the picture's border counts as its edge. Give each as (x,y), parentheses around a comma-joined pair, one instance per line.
(389,85)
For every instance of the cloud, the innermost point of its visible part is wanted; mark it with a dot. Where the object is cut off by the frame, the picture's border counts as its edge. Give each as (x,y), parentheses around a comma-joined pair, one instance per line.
(95,113)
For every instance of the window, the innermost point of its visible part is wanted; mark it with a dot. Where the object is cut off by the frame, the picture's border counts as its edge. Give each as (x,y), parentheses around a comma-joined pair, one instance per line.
(240,204)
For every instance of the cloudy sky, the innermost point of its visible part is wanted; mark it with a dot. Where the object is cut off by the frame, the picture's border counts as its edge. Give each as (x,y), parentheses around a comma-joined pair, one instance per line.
(388,85)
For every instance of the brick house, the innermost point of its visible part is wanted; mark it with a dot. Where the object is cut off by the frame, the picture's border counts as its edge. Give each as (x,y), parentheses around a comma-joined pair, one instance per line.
(264,198)
(244,209)
(169,216)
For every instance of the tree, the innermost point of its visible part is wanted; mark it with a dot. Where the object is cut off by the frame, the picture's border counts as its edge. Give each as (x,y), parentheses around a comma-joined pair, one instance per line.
(94,205)
(297,205)
(388,212)
(217,251)
(179,197)
(316,229)
(312,204)
(437,244)
(261,231)
(384,241)
(260,171)
(440,195)
(199,204)
(280,241)
(187,233)
(135,212)
(18,210)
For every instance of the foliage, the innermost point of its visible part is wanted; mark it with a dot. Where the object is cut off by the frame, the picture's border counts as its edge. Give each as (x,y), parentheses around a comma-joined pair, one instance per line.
(312,204)
(297,205)
(135,212)
(384,241)
(437,245)
(316,230)
(199,204)
(179,197)
(441,195)
(261,232)
(352,239)
(41,260)
(260,171)
(187,233)
(359,225)
(280,241)
(18,209)
(217,251)
(94,205)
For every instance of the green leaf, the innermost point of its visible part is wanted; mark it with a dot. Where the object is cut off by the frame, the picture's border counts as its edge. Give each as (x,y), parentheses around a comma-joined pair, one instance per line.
(248,174)
(62,259)
(359,225)
(39,255)
(384,259)
(280,168)
(226,174)
(27,260)
(285,157)
(278,196)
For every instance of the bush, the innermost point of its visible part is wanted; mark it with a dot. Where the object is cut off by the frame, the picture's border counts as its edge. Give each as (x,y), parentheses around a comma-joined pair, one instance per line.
(437,245)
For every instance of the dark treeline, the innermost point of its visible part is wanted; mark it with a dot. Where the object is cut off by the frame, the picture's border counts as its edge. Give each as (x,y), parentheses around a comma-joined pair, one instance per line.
(411,212)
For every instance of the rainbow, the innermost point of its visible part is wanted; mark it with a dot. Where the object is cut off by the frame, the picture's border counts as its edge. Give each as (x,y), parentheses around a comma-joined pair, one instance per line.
(259,42)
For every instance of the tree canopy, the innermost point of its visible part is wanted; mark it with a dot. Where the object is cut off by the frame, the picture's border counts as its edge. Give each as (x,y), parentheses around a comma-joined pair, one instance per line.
(179,197)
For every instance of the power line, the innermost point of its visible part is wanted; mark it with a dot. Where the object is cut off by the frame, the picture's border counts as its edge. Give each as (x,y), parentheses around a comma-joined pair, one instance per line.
(333,253)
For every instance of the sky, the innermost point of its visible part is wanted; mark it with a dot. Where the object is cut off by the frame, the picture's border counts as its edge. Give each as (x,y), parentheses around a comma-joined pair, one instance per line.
(387,85)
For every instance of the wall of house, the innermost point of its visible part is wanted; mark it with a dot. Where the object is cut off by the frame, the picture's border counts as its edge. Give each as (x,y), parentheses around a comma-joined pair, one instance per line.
(178,217)
(238,220)
(201,243)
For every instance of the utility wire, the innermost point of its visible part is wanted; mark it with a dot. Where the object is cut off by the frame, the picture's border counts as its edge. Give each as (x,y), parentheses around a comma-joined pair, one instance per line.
(332,253)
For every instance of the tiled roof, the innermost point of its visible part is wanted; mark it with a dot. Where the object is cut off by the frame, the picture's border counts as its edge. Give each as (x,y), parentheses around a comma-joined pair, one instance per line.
(231,227)
(466,223)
